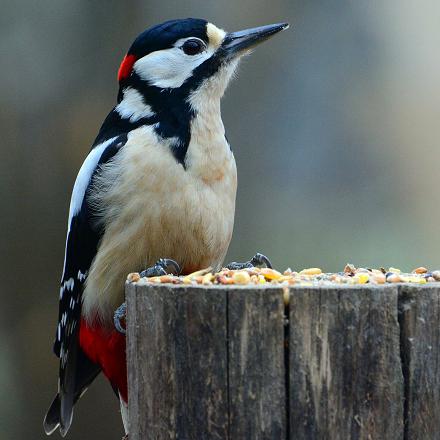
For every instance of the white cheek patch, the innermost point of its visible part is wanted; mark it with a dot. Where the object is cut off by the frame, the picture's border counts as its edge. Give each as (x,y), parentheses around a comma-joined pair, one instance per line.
(170,68)
(133,106)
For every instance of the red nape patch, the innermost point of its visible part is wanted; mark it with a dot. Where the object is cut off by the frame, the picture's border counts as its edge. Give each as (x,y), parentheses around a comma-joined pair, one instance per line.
(126,66)
(106,348)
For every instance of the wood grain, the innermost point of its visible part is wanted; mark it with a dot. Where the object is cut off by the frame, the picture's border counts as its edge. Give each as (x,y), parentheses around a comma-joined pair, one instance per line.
(177,356)
(419,309)
(345,372)
(256,364)
(216,362)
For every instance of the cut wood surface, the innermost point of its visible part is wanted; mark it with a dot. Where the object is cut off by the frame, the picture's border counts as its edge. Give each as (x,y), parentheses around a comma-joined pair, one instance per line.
(343,362)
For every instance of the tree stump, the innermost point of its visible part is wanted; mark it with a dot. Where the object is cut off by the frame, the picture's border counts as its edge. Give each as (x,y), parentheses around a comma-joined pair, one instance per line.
(342,362)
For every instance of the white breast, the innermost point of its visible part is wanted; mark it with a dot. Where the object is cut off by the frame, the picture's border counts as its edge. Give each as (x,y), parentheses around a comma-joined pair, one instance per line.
(155,208)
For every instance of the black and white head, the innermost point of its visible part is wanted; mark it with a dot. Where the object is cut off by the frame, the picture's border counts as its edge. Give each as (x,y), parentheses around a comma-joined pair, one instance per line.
(171,70)
(180,55)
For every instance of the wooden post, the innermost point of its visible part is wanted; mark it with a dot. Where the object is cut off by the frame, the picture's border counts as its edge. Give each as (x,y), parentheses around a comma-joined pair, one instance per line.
(345,372)
(419,309)
(346,362)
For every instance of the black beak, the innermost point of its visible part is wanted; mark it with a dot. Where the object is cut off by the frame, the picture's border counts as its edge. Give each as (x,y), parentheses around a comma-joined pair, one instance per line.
(236,43)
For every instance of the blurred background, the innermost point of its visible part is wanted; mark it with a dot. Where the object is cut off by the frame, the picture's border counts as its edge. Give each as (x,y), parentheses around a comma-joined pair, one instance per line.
(334,124)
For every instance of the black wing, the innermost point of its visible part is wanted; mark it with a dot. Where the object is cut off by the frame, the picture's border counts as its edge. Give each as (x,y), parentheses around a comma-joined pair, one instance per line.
(76,371)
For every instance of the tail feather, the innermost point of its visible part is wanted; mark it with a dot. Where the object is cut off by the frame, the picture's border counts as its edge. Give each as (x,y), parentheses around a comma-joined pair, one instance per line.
(79,374)
(52,419)
(66,413)
(59,415)
(68,388)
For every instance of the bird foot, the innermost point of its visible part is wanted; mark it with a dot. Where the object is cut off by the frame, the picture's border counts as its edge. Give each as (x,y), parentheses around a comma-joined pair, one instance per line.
(119,318)
(162,267)
(125,437)
(257,260)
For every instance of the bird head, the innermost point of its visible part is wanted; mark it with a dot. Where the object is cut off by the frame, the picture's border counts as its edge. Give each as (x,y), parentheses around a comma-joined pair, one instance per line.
(174,73)
(180,58)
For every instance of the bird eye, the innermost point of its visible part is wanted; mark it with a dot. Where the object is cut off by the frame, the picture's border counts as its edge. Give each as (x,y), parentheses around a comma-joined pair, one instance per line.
(193,46)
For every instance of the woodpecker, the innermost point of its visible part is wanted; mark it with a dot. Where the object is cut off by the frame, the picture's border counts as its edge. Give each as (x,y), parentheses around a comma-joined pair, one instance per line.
(159,181)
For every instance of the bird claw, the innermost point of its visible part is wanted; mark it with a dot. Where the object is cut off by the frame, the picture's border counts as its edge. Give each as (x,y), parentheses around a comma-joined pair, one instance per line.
(119,315)
(161,268)
(257,260)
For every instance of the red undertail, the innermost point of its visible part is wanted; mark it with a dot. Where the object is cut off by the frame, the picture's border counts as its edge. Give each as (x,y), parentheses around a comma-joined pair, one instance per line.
(106,348)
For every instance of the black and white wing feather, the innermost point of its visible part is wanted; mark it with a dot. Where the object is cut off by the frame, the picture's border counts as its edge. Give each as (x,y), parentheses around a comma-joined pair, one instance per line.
(76,371)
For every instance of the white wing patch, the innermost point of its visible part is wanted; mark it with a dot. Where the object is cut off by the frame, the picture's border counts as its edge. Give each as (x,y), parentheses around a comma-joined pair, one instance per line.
(79,189)
(82,276)
(68,284)
(133,106)
(83,179)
